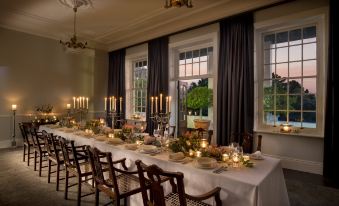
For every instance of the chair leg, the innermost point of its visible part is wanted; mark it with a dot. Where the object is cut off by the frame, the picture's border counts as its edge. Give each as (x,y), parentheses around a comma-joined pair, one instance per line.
(97,196)
(57,177)
(28,155)
(35,156)
(49,171)
(66,184)
(40,164)
(23,158)
(79,192)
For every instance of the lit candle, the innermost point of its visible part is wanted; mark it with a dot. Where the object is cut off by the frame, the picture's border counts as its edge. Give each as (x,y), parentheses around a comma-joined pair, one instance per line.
(156,104)
(235,159)
(105,102)
(246,157)
(110,104)
(169,104)
(191,153)
(166,104)
(138,142)
(120,104)
(115,104)
(160,102)
(74,102)
(86,102)
(78,103)
(83,102)
(198,154)
(203,143)
(152,101)
(13,107)
(225,157)
(68,106)
(286,128)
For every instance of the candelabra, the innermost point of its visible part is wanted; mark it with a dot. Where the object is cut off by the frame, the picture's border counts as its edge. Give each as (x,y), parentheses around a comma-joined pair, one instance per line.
(116,117)
(81,111)
(161,120)
(14,110)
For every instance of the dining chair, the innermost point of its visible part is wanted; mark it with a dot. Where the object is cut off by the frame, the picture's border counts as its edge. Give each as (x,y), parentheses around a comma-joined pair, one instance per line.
(39,149)
(157,196)
(77,164)
(120,183)
(27,141)
(54,156)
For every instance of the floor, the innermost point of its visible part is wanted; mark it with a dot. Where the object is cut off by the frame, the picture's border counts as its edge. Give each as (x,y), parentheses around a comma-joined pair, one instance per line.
(20,185)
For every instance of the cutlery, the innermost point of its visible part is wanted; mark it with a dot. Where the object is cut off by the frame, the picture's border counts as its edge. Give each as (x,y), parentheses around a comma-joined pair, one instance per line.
(220,169)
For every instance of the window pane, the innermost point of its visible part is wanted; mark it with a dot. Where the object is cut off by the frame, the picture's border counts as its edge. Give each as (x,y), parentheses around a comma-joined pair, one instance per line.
(188,69)
(203,58)
(268,102)
(294,119)
(309,34)
(295,69)
(295,37)
(269,41)
(309,102)
(310,85)
(269,118)
(281,102)
(203,52)
(295,86)
(295,53)
(282,54)
(281,86)
(268,87)
(196,69)
(196,56)
(282,39)
(282,70)
(294,102)
(189,57)
(203,68)
(310,51)
(182,72)
(269,56)
(309,119)
(281,117)
(268,70)
(310,68)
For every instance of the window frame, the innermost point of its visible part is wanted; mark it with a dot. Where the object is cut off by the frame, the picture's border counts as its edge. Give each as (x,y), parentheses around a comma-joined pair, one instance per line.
(133,88)
(287,24)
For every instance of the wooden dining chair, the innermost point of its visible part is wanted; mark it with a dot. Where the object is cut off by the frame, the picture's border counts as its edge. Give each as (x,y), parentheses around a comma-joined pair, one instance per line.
(39,149)
(77,165)
(27,141)
(120,183)
(55,157)
(157,196)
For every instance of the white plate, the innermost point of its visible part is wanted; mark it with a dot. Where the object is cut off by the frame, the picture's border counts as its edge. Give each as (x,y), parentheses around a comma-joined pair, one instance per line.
(101,138)
(212,166)
(150,152)
(115,141)
(131,146)
(148,148)
(181,160)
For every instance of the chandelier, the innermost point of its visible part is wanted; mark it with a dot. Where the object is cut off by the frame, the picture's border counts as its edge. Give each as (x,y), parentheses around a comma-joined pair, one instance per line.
(73,43)
(178,3)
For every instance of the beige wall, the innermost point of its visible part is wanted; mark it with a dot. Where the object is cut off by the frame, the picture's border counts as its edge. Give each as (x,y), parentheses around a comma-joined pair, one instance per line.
(36,70)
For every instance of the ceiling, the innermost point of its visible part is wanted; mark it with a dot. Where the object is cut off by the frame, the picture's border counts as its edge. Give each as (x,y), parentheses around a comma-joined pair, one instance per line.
(114,24)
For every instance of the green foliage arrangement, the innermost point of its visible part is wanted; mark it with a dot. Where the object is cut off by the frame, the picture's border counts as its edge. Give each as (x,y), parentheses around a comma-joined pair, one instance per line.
(185,143)
(199,98)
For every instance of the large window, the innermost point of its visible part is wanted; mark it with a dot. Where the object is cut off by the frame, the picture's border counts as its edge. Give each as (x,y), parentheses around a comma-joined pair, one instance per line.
(290,77)
(139,87)
(195,62)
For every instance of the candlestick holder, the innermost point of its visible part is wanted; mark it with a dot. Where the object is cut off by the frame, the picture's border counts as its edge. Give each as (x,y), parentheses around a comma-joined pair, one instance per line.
(82,112)
(13,110)
(161,120)
(116,117)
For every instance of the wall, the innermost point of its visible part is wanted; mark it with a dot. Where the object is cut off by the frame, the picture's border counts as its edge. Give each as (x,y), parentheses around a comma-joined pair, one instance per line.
(36,70)
(297,152)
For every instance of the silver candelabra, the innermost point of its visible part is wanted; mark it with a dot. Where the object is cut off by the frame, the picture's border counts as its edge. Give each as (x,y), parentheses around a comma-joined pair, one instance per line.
(161,120)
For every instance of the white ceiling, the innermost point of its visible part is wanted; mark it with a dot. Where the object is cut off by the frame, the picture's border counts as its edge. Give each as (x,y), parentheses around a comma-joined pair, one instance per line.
(113,24)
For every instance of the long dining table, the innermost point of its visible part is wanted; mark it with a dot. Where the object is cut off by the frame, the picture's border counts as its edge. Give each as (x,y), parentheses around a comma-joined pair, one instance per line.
(261,185)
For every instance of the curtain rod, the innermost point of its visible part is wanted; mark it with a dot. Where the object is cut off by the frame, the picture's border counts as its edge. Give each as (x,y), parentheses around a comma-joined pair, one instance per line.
(212,22)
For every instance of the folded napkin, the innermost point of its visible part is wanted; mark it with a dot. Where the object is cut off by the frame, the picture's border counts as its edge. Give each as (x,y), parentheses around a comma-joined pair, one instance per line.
(256,155)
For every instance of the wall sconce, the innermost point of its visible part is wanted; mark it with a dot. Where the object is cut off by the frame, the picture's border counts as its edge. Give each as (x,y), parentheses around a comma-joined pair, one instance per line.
(14,107)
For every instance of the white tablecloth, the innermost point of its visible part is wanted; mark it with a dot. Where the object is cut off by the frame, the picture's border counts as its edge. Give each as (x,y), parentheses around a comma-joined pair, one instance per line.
(262,185)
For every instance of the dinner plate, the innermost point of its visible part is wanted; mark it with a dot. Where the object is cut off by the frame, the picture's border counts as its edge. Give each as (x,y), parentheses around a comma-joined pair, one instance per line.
(156,151)
(101,138)
(114,141)
(212,166)
(180,160)
(131,146)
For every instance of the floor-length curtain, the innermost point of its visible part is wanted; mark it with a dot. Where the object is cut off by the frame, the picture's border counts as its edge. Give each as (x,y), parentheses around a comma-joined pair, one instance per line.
(235,100)
(116,81)
(331,139)
(157,74)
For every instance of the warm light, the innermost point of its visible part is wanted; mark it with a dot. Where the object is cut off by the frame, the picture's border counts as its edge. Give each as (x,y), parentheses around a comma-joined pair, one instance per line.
(138,142)
(203,143)
(102,121)
(246,157)
(225,157)
(111,135)
(191,153)
(68,106)
(286,128)
(235,159)
(13,107)
(198,154)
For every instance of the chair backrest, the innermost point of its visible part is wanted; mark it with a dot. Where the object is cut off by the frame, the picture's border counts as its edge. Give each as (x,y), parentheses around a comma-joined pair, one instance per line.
(66,153)
(97,167)
(154,177)
(23,132)
(35,138)
(48,142)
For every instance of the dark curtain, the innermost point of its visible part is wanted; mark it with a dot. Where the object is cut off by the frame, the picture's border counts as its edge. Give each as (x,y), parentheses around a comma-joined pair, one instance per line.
(157,74)
(331,139)
(235,79)
(116,81)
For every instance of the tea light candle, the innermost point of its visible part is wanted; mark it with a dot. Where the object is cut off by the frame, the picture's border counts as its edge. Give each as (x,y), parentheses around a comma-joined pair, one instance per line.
(198,154)
(246,157)
(225,157)
(191,153)
(203,143)
(86,130)
(286,128)
(102,121)
(138,142)
(111,135)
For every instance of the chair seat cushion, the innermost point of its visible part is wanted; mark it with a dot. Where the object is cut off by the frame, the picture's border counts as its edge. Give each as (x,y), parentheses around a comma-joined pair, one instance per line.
(172,199)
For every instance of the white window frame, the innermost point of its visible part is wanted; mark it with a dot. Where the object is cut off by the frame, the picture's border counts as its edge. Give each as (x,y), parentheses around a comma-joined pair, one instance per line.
(289,23)
(143,114)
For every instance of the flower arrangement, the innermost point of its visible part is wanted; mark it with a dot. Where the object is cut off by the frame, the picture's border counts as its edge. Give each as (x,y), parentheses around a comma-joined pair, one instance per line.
(44,108)
(94,125)
(185,143)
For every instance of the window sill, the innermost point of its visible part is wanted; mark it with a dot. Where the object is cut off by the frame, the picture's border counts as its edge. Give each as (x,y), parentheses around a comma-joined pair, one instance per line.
(300,134)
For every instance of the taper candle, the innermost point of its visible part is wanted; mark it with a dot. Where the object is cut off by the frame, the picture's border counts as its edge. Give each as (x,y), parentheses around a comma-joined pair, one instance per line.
(156,104)
(120,104)
(86,102)
(160,102)
(74,102)
(110,104)
(105,102)
(152,101)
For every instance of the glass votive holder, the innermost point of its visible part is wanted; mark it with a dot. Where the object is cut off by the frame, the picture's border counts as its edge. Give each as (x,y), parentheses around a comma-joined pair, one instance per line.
(198,154)
(246,157)
(225,157)
(138,142)
(191,153)
(111,135)
(203,143)
(235,159)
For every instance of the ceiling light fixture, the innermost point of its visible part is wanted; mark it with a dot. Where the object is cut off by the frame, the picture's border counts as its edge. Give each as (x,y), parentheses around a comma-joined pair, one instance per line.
(73,43)
(178,3)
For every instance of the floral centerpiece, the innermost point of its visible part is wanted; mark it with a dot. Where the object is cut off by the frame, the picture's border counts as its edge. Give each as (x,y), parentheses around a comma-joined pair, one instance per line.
(185,143)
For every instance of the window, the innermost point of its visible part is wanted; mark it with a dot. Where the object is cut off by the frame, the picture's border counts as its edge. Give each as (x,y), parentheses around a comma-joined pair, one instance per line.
(194,63)
(139,87)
